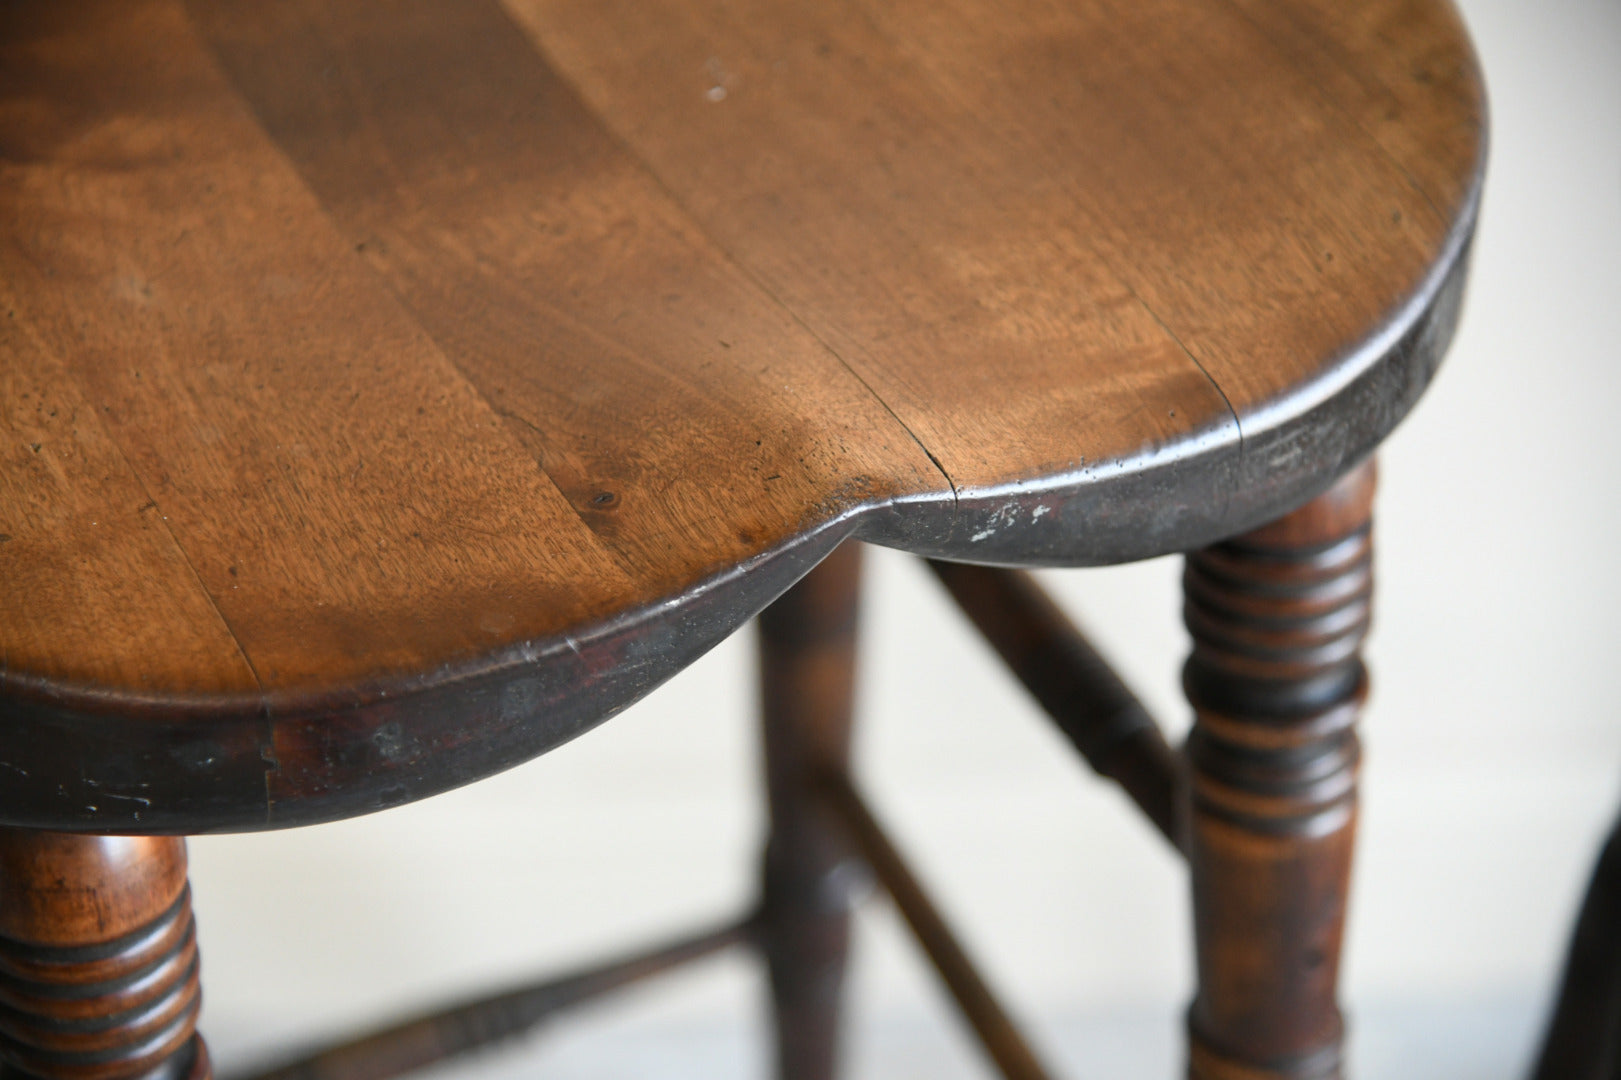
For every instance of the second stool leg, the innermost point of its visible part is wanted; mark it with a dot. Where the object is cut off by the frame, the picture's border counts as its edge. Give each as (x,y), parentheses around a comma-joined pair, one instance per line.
(1276,680)
(807,665)
(98,959)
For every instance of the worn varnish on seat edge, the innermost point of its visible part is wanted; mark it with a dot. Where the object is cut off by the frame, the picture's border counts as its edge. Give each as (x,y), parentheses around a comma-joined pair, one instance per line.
(393,392)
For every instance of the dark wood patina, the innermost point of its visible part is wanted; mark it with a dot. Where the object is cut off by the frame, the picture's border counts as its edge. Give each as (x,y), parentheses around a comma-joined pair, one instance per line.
(368,434)
(807,681)
(390,392)
(1276,680)
(98,959)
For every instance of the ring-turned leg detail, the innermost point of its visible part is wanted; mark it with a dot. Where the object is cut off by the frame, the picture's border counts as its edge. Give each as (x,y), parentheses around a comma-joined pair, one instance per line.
(98,959)
(807,658)
(1276,679)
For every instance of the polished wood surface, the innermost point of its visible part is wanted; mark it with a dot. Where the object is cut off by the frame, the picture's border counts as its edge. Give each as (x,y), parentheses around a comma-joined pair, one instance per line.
(98,959)
(1276,680)
(390,392)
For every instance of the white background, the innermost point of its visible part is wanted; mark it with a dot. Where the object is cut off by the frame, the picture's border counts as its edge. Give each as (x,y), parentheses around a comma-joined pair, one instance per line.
(1493,748)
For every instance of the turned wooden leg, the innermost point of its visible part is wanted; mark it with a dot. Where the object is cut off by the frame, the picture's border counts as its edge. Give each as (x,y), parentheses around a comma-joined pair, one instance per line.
(98,959)
(807,652)
(1276,680)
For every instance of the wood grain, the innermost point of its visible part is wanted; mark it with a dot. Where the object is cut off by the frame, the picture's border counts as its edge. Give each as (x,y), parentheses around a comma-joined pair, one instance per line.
(393,391)
(1276,680)
(98,958)
(1161,203)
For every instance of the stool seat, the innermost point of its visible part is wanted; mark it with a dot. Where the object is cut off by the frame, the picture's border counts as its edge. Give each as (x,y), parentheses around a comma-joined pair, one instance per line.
(393,391)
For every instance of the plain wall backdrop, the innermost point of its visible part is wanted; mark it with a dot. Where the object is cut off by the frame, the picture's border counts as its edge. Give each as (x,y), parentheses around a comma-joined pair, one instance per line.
(1492,769)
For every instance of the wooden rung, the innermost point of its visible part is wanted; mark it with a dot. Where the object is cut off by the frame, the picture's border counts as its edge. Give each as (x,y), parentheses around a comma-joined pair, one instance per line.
(1090,703)
(426,1040)
(1001,1040)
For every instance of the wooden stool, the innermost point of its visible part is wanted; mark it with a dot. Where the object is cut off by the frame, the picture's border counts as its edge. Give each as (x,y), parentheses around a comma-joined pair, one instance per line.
(394,391)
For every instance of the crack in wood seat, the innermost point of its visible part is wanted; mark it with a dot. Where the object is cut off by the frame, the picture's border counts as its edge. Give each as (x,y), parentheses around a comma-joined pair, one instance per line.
(391,392)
